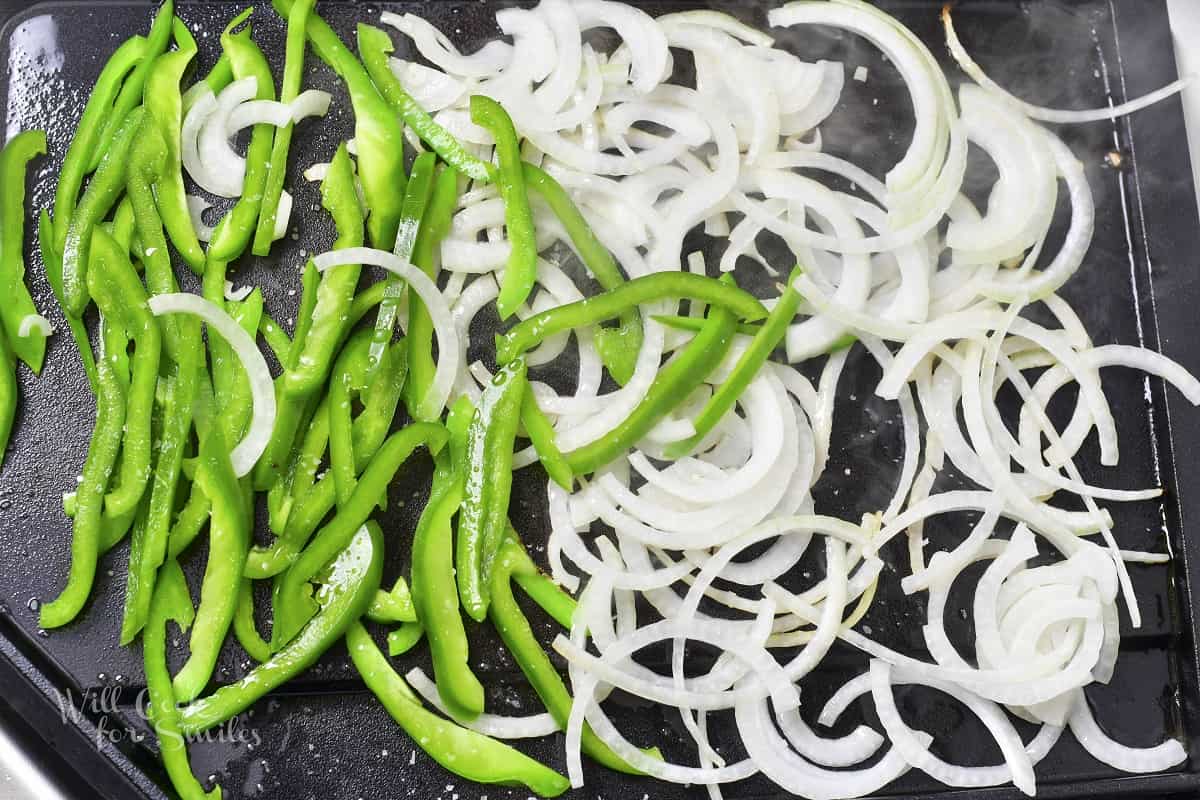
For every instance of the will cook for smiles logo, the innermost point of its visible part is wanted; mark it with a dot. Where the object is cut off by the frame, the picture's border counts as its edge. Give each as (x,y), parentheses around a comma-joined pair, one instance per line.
(104,708)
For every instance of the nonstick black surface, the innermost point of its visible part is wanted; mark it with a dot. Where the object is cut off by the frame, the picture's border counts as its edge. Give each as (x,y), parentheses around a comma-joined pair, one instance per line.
(324,736)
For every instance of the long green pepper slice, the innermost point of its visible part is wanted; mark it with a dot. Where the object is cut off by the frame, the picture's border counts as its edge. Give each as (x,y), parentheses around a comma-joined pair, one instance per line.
(544,439)
(520,273)
(243,625)
(171,604)
(618,347)
(131,90)
(85,538)
(464,752)
(613,303)
(434,227)
(164,105)
(377,130)
(352,580)
(764,343)
(87,134)
(52,263)
(289,89)
(293,606)
(101,195)
(374,45)
(487,485)
(674,382)
(416,197)
(18,303)
(236,229)
(229,542)
(8,393)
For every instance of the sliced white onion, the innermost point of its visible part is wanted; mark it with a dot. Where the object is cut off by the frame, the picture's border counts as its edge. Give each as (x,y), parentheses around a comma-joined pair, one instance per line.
(31,323)
(501,727)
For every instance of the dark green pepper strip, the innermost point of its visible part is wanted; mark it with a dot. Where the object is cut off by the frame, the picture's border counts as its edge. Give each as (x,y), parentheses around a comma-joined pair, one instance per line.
(229,542)
(293,75)
(52,262)
(102,193)
(272,465)
(190,521)
(694,324)
(611,304)
(119,294)
(293,607)
(85,540)
(416,196)
(87,134)
(395,605)
(243,625)
(764,343)
(275,337)
(235,230)
(404,638)
(164,105)
(434,227)
(18,303)
(519,638)
(336,292)
(377,130)
(374,45)
(353,578)
(131,90)
(171,604)
(487,485)
(618,347)
(675,381)
(520,273)
(464,752)
(8,393)
(544,440)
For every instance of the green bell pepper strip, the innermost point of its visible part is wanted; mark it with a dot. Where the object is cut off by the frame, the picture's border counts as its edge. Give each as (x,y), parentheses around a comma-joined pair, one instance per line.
(123,225)
(675,381)
(52,262)
(87,135)
(611,304)
(85,539)
(171,604)
(518,637)
(131,90)
(694,324)
(404,638)
(543,438)
(364,301)
(434,227)
(520,273)
(289,89)
(542,590)
(374,45)
(395,605)
(435,597)
(235,230)
(243,625)
(119,293)
(8,393)
(352,580)
(164,105)
(275,337)
(416,197)
(135,585)
(377,130)
(189,522)
(751,361)
(464,752)
(101,195)
(302,465)
(114,529)
(220,76)
(18,303)
(270,468)
(293,606)
(336,292)
(487,485)
(229,542)
(618,347)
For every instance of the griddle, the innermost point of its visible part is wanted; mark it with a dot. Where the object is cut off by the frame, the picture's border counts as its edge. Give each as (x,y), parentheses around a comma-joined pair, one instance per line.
(324,735)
